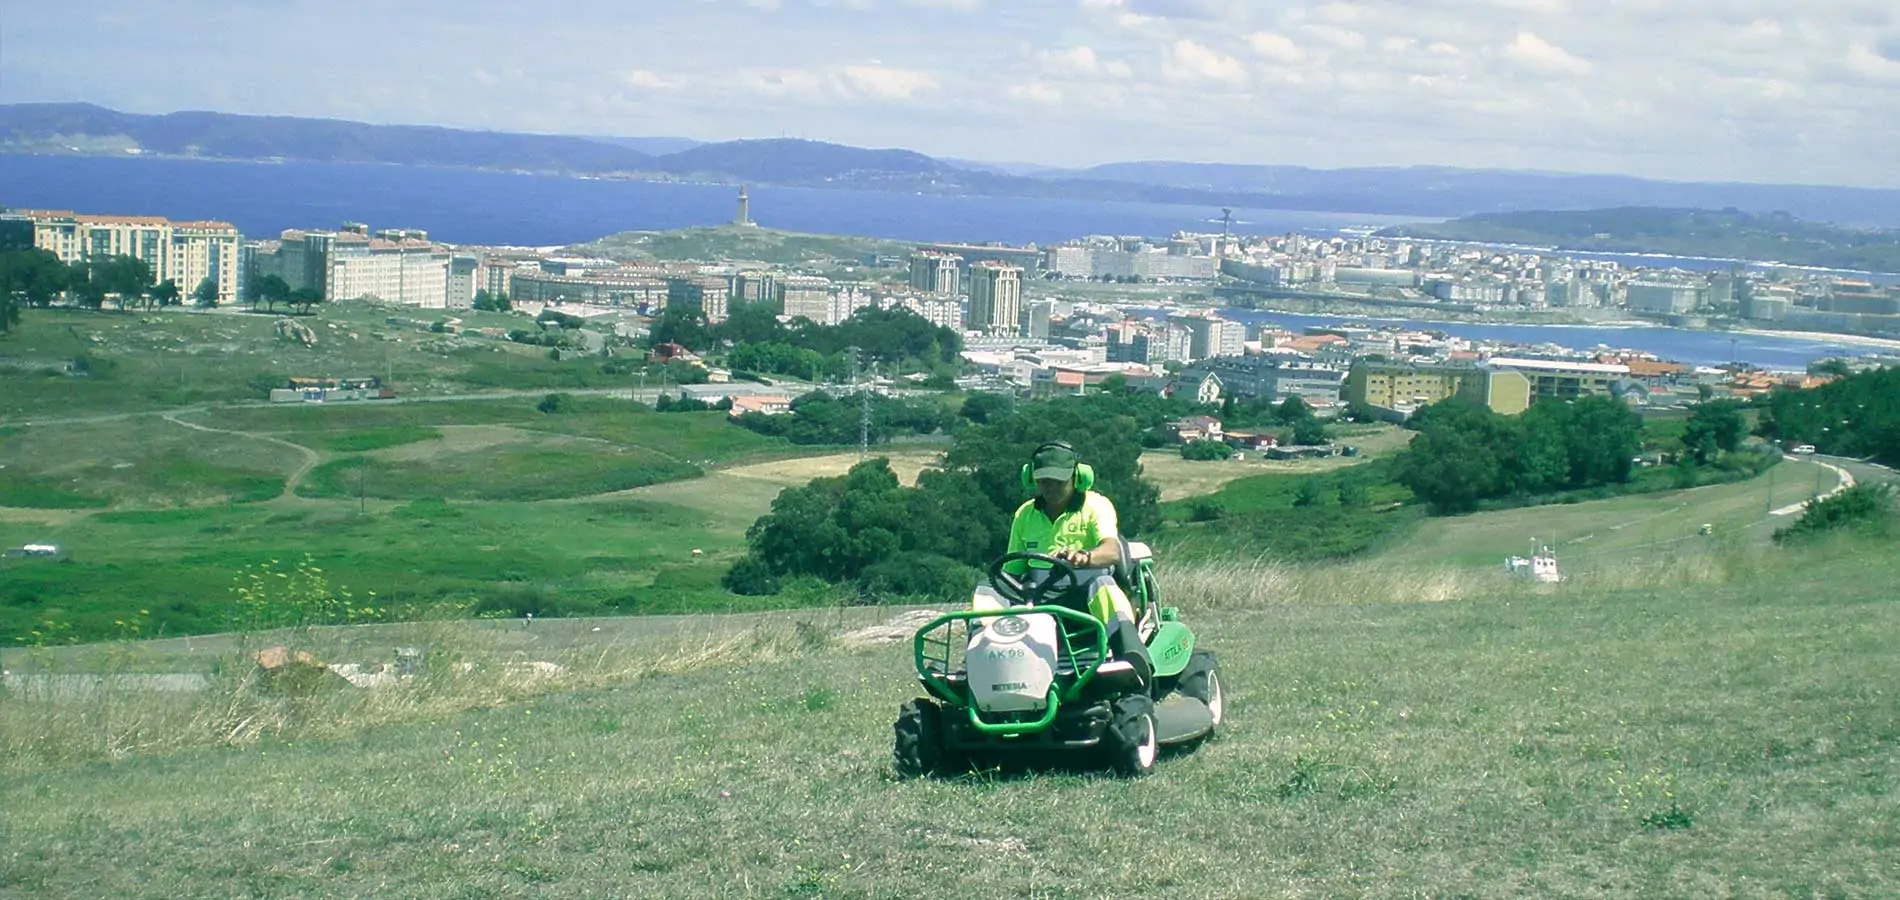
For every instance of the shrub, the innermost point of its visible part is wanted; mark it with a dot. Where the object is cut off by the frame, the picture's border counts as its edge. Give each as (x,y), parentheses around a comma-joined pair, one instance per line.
(1205,509)
(1205,450)
(750,578)
(1861,505)
(555,403)
(919,575)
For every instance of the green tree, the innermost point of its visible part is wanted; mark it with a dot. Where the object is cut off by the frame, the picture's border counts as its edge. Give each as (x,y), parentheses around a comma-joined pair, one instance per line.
(981,407)
(682,325)
(127,278)
(206,293)
(1834,368)
(751,323)
(1309,431)
(492,302)
(269,290)
(1202,450)
(166,293)
(1308,493)
(1293,410)
(82,285)
(31,278)
(1716,425)
(303,299)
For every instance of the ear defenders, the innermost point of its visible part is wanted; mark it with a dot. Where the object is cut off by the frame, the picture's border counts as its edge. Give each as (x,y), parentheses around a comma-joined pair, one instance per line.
(1084,473)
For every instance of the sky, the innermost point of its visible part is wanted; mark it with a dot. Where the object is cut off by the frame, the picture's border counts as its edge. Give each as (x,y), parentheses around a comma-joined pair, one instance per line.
(1779,91)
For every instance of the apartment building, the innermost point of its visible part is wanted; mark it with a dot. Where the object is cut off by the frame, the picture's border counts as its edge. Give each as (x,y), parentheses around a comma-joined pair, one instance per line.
(936,273)
(806,296)
(184,253)
(996,298)
(398,268)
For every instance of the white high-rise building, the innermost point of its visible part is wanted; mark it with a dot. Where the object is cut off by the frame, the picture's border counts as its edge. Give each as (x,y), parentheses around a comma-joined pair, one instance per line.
(996,298)
(407,270)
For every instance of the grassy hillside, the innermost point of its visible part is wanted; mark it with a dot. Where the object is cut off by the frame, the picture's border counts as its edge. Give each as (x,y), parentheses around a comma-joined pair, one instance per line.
(1726,733)
(61,362)
(470,507)
(763,245)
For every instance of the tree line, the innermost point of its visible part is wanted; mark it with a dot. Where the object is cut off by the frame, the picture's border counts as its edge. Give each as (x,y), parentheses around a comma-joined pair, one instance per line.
(1465,453)
(891,338)
(867,529)
(1858,416)
(35,278)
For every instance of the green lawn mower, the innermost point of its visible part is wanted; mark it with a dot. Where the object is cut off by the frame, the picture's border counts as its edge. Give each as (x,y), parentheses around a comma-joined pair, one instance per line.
(1029,671)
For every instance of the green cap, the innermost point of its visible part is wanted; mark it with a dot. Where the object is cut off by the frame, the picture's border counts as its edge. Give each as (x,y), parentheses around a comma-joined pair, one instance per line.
(1053,462)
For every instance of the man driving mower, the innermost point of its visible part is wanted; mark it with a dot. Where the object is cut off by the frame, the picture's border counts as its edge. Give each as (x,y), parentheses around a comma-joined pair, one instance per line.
(1068,521)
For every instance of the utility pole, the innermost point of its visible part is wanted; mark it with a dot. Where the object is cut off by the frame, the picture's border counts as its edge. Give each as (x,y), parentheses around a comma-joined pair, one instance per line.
(864,420)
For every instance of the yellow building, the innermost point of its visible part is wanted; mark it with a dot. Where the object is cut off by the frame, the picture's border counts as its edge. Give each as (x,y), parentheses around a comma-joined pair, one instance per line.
(1404,386)
(184,253)
(1503,391)
(1558,380)
(1503,385)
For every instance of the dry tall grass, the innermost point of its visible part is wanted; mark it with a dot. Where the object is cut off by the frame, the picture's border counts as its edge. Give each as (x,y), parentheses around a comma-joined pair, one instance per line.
(1247,583)
(113,712)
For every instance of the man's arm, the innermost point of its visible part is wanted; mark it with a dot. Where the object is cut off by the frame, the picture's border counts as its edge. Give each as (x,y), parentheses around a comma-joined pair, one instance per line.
(1106,531)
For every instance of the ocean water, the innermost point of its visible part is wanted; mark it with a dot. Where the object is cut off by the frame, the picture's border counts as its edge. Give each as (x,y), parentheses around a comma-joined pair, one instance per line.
(1707,348)
(464,206)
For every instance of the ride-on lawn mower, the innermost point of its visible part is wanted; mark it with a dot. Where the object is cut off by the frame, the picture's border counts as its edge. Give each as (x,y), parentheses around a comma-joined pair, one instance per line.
(1029,670)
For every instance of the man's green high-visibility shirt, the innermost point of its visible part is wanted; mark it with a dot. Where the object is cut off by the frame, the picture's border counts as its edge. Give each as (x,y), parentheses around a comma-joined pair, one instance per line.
(1089,520)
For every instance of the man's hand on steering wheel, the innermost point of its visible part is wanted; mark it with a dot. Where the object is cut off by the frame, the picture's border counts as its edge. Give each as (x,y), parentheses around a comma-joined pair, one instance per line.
(1078,558)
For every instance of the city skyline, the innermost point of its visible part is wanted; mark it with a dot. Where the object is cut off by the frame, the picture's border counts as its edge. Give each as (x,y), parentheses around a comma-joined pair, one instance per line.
(1741,91)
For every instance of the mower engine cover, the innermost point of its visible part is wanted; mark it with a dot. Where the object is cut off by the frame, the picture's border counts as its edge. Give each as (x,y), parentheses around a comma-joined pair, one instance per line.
(1012,662)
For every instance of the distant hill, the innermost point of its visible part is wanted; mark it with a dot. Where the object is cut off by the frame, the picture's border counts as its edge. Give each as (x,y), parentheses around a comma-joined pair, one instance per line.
(1431,192)
(1723,234)
(42,128)
(1434,191)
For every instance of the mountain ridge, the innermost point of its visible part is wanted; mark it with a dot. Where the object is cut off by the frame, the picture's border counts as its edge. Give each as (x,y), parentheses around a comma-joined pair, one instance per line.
(1423,191)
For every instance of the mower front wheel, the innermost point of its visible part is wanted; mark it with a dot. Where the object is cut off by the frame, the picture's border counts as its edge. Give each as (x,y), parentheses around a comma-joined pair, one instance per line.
(1201,681)
(918,750)
(1131,741)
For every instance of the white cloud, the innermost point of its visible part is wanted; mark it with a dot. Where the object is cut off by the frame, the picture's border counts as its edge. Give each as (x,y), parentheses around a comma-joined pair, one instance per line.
(1276,47)
(653,81)
(1344,39)
(1038,93)
(1189,61)
(1868,62)
(1101,4)
(958,5)
(1079,60)
(888,83)
(1538,55)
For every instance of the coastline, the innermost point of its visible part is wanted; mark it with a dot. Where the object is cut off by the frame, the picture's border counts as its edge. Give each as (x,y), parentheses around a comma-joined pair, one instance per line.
(1853,340)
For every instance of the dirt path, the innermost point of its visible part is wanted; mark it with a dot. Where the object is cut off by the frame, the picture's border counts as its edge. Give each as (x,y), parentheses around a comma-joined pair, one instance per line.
(310,457)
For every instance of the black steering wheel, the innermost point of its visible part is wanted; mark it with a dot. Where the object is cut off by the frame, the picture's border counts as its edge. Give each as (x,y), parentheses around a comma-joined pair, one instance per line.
(1062,579)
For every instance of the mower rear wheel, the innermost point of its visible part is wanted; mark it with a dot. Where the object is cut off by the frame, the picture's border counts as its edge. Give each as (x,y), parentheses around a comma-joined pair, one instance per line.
(1131,741)
(1201,681)
(918,750)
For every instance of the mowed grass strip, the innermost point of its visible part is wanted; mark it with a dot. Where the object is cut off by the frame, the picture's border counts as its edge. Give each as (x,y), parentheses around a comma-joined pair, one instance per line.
(366,439)
(421,558)
(138,461)
(524,471)
(1732,739)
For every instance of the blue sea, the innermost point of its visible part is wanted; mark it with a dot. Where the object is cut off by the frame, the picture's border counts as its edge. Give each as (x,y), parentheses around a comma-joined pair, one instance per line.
(1706,348)
(465,206)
